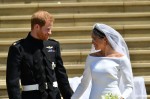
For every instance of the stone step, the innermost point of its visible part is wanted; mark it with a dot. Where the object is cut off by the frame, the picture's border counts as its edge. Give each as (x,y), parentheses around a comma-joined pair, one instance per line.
(138,30)
(139,69)
(75,7)
(80,55)
(3,91)
(35,1)
(80,19)
(81,42)
(56,1)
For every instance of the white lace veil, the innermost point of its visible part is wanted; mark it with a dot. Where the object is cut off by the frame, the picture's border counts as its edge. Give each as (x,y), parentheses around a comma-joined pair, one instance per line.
(116,41)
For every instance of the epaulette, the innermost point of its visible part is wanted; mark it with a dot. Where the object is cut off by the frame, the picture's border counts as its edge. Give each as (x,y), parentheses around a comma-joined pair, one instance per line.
(16,42)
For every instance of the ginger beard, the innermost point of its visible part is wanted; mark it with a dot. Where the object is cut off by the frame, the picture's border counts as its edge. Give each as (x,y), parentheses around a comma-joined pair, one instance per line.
(43,36)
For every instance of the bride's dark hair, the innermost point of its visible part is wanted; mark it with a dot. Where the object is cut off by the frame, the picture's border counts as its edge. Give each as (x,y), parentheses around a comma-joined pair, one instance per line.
(98,33)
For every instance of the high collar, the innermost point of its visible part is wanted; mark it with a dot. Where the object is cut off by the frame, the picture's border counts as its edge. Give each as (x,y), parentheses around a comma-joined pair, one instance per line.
(33,41)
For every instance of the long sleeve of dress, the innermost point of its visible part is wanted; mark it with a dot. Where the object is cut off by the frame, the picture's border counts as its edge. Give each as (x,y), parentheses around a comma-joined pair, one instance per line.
(127,77)
(84,81)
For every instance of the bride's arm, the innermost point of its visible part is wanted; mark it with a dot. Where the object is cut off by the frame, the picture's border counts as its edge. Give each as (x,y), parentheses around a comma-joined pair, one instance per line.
(127,76)
(84,81)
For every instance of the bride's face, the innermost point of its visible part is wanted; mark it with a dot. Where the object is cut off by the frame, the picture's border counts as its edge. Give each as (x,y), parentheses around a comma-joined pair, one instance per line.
(99,43)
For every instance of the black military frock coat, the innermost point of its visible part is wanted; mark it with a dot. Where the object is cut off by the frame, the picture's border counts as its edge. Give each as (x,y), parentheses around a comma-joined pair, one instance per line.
(34,61)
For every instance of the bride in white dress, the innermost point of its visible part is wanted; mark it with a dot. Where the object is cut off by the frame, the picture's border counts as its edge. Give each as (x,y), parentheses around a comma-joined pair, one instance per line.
(107,66)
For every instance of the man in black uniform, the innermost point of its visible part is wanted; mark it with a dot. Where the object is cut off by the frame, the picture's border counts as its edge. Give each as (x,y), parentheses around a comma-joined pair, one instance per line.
(36,61)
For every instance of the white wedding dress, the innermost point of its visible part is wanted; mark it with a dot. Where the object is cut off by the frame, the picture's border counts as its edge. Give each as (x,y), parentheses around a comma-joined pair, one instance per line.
(104,73)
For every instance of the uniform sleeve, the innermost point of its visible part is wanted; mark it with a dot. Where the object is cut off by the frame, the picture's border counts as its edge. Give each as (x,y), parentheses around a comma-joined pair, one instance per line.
(62,77)
(13,73)
(84,81)
(127,77)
